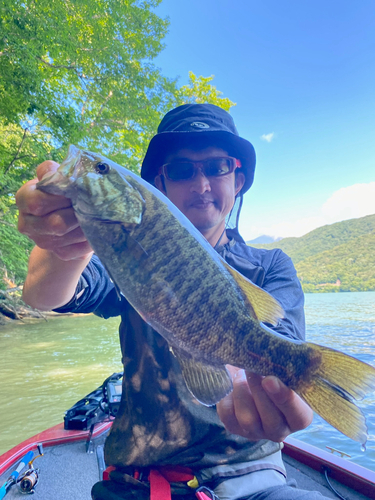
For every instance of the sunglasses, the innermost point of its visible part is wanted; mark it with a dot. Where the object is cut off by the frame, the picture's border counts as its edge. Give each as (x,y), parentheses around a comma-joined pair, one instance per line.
(181,170)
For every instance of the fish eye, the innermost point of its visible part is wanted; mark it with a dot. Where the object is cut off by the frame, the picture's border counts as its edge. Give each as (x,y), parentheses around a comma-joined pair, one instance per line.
(102,168)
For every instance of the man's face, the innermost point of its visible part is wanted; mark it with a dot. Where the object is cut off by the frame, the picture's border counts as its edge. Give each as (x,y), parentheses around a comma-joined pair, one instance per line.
(206,201)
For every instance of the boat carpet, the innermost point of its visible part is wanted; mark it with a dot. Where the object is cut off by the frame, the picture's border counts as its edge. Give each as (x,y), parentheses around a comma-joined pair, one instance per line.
(67,472)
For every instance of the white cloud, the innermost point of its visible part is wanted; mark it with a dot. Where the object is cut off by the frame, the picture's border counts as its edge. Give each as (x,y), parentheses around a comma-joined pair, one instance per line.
(285,229)
(350,202)
(267,137)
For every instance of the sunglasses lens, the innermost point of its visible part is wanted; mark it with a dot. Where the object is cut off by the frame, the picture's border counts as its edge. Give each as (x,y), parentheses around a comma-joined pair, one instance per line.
(179,170)
(218,166)
(184,170)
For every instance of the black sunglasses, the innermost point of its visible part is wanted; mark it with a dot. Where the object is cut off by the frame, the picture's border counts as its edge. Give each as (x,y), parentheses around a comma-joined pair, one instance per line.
(182,170)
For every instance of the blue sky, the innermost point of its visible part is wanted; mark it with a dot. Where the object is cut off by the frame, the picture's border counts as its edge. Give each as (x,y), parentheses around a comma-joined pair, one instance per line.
(302,75)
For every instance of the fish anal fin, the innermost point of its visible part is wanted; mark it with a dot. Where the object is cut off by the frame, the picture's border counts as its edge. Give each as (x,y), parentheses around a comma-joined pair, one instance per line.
(208,384)
(265,307)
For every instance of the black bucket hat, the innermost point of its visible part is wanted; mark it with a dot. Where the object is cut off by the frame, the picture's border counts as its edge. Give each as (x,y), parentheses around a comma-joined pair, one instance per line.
(198,125)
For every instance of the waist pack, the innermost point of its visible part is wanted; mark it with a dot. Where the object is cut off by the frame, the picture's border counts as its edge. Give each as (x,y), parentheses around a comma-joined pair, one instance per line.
(161,483)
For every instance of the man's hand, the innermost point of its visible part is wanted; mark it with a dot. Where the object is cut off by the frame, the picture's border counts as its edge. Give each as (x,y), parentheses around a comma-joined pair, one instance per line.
(262,408)
(62,251)
(49,220)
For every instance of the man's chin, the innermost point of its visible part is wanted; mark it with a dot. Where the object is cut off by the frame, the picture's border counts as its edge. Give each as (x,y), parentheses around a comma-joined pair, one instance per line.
(204,225)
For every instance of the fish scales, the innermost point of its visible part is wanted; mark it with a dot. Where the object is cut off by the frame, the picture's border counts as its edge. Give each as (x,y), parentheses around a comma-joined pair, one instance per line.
(207,312)
(201,302)
(210,310)
(192,307)
(201,295)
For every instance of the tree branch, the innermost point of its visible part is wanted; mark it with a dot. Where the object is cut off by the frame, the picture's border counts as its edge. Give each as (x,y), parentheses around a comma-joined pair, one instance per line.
(7,223)
(55,66)
(16,155)
(93,123)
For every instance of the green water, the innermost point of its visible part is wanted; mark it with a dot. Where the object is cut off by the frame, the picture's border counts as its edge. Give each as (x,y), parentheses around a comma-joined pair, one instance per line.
(47,366)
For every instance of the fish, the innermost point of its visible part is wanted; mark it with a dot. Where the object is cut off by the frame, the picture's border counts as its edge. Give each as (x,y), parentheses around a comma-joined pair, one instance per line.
(210,315)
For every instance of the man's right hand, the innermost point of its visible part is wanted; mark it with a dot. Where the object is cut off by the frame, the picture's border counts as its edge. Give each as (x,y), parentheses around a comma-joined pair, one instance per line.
(49,220)
(62,251)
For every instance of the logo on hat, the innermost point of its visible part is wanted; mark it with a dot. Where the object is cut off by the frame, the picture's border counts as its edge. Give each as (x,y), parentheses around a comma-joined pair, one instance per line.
(199,125)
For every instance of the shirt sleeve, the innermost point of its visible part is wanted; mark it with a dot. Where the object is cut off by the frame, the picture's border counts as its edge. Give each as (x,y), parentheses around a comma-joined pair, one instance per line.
(95,293)
(273,271)
(281,282)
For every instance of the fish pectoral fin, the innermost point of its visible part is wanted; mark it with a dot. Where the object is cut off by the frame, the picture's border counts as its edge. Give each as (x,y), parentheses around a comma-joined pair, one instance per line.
(265,307)
(208,384)
(131,243)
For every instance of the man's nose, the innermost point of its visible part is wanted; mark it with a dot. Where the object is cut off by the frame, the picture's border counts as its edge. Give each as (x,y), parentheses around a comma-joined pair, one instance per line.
(200,183)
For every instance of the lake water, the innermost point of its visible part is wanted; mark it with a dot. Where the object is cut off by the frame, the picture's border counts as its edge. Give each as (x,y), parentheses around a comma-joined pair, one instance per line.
(47,366)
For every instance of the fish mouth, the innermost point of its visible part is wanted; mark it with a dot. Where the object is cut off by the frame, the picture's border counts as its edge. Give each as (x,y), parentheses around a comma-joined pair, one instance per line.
(62,181)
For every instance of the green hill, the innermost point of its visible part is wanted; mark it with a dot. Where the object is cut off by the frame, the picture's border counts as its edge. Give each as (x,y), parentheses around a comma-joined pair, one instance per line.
(339,257)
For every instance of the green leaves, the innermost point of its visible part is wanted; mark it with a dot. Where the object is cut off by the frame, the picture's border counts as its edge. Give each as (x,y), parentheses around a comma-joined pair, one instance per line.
(66,64)
(80,72)
(200,90)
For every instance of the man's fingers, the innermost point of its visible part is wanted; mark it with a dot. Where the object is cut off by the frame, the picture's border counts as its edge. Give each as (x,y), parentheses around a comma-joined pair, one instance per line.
(298,415)
(78,251)
(32,201)
(225,410)
(52,242)
(245,407)
(274,425)
(49,220)
(45,168)
(238,412)
(262,408)
(56,223)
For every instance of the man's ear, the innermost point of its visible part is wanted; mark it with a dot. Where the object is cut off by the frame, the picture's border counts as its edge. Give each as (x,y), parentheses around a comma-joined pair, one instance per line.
(160,184)
(239,182)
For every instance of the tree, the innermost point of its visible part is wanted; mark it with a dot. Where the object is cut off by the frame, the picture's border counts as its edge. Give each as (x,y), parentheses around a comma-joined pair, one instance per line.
(200,90)
(79,72)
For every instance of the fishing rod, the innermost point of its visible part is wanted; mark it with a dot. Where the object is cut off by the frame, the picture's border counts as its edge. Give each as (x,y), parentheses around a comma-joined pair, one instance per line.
(26,481)
(12,479)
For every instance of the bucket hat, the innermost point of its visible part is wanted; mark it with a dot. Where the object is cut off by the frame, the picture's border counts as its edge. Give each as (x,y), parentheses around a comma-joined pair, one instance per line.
(198,125)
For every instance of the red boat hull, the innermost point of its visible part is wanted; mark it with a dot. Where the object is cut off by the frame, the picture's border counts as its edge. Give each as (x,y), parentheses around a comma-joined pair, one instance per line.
(348,473)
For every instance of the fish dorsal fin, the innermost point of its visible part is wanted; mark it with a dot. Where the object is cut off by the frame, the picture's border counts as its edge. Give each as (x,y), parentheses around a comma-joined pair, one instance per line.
(208,384)
(266,308)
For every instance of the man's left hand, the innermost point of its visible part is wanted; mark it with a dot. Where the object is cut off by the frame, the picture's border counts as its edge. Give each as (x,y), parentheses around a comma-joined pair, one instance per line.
(262,408)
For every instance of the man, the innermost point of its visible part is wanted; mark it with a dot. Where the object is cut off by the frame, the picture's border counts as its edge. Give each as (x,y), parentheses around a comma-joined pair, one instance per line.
(198,160)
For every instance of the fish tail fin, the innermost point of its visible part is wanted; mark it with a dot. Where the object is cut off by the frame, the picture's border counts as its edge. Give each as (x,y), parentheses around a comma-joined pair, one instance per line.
(339,380)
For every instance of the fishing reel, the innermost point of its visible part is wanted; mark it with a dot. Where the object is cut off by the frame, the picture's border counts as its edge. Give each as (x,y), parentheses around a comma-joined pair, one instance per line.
(27,481)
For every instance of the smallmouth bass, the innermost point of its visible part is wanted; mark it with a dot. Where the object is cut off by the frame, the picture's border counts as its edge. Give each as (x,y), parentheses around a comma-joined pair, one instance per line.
(209,314)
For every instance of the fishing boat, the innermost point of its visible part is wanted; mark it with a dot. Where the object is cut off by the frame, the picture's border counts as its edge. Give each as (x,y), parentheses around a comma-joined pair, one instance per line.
(62,463)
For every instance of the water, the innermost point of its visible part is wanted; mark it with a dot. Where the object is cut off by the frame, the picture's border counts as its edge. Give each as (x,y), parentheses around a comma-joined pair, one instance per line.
(343,321)
(48,366)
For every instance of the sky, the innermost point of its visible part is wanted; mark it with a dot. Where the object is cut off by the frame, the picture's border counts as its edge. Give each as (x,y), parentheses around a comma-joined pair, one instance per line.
(302,75)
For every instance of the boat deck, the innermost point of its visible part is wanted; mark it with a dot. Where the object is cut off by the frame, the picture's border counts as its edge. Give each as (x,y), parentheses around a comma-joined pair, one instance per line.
(68,472)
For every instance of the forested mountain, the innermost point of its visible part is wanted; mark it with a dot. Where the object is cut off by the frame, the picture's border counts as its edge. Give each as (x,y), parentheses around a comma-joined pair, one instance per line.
(335,258)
